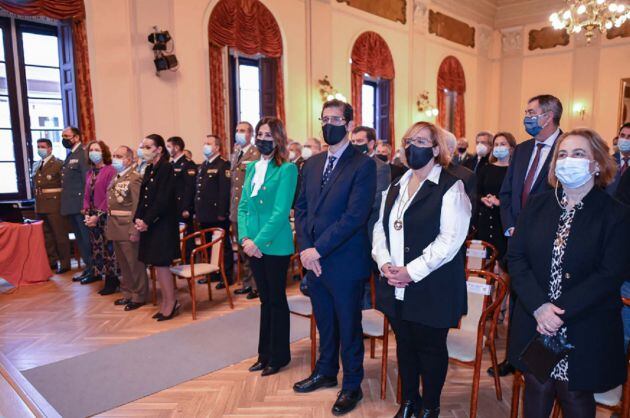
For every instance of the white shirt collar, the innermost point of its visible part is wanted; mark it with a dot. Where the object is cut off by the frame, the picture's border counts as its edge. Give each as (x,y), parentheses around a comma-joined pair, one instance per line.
(174,160)
(339,152)
(552,138)
(433,177)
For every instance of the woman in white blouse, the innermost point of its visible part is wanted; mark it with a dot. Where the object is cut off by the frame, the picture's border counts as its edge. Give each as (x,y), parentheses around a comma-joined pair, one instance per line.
(417,246)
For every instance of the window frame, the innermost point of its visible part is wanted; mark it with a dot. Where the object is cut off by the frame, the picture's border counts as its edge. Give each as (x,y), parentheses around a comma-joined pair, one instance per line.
(368,81)
(236,59)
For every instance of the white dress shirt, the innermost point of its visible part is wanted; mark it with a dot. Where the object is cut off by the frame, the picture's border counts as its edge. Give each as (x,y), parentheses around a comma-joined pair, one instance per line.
(544,153)
(260,170)
(337,154)
(454,220)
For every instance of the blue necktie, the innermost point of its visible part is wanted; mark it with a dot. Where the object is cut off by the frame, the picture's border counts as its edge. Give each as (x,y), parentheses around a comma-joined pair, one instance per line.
(329,169)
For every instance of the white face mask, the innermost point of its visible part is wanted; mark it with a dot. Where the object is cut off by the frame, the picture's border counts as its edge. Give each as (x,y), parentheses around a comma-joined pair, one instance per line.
(573,172)
(291,156)
(307,153)
(482,149)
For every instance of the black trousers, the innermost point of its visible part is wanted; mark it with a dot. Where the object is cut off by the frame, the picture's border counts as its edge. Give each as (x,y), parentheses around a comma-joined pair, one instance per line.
(228,253)
(422,354)
(538,399)
(270,274)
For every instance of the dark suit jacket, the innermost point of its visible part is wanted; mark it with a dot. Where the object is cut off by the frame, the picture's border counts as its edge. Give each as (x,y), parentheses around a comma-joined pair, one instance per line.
(184,173)
(383,178)
(473,165)
(470,182)
(73,172)
(622,193)
(457,160)
(334,219)
(612,187)
(514,181)
(397,171)
(594,266)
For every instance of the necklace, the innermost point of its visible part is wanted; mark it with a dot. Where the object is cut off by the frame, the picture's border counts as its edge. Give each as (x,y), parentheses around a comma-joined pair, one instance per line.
(398,223)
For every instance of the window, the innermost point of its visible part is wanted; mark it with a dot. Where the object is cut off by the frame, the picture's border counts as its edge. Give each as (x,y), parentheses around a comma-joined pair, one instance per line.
(375,105)
(368,104)
(32,105)
(451,103)
(248,92)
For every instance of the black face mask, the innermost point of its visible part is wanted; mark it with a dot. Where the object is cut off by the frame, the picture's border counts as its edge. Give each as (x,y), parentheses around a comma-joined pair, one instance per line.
(265,147)
(66,143)
(462,150)
(333,134)
(362,149)
(382,157)
(418,157)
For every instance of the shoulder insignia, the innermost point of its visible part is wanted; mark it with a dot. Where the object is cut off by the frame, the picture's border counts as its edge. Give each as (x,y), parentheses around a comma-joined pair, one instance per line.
(192,172)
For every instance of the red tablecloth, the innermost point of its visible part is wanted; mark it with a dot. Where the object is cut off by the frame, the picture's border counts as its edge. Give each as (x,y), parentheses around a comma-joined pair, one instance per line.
(23,258)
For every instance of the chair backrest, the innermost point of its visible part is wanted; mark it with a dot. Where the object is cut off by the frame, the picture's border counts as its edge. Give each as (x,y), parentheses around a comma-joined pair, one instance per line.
(486,292)
(480,255)
(217,248)
(204,251)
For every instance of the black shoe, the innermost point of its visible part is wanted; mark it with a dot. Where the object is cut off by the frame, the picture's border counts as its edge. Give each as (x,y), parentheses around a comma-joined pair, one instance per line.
(111,286)
(121,301)
(269,370)
(431,413)
(132,306)
(220,286)
(62,270)
(313,382)
(504,367)
(90,279)
(77,277)
(407,410)
(253,294)
(258,366)
(156,315)
(202,281)
(173,314)
(243,291)
(215,277)
(347,401)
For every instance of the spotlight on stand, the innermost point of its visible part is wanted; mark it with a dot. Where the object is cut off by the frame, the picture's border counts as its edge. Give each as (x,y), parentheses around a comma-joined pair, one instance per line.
(164,59)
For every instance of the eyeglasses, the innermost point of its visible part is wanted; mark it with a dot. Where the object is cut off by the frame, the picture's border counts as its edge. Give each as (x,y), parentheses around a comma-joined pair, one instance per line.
(418,141)
(333,120)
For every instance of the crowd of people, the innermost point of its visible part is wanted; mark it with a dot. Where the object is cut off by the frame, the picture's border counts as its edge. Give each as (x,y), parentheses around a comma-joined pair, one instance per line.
(554,207)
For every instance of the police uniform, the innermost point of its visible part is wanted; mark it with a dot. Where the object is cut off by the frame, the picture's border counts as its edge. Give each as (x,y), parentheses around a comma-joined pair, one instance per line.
(46,178)
(212,200)
(73,174)
(184,172)
(122,200)
(238,164)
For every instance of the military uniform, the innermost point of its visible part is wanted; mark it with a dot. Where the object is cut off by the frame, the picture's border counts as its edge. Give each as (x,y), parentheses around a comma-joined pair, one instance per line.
(122,200)
(184,173)
(47,186)
(238,164)
(73,174)
(212,200)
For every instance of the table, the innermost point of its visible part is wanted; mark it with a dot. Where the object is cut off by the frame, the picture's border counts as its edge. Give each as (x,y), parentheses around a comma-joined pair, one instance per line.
(23,258)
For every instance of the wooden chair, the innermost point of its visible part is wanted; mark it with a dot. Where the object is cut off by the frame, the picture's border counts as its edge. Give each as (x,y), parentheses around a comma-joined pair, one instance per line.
(376,326)
(486,292)
(300,305)
(237,256)
(480,255)
(206,265)
(295,263)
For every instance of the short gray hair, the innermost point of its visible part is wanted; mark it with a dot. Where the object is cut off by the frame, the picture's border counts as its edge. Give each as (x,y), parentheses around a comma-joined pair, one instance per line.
(128,151)
(549,103)
(486,134)
(451,141)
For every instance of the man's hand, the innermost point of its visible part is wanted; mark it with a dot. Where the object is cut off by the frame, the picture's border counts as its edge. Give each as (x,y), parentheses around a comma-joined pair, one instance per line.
(547,318)
(309,255)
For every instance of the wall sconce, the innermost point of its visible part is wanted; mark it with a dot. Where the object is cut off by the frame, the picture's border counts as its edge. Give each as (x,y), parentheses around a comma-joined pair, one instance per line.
(425,106)
(328,92)
(580,109)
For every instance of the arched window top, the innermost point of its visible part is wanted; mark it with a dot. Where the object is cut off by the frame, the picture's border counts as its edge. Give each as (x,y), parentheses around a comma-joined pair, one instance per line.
(371,55)
(246,25)
(451,75)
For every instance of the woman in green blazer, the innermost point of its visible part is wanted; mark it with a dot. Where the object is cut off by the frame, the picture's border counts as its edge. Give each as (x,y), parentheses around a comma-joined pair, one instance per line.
(266,236)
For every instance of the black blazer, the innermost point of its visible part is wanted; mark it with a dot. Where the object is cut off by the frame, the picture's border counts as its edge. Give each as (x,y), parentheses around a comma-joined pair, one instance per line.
(473,165)
(439,300)
(514,181)
(595,265)
(213,185)
(622,192)
(184,172)
(469,178)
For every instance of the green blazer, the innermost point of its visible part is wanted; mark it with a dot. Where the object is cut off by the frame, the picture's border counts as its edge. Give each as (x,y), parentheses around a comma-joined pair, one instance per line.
(265,218)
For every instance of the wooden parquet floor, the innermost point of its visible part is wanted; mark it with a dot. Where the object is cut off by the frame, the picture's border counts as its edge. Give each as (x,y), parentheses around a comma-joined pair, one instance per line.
(49,322)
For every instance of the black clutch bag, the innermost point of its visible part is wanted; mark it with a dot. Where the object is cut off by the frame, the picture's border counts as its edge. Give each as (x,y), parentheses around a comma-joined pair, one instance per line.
(543,353)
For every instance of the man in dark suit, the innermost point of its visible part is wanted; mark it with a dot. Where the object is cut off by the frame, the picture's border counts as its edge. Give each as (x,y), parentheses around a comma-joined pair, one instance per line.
(184,173)
(462,155)
(469,178)
(528,169)
(483,147)
(622,157)
(384,153)
(331,213)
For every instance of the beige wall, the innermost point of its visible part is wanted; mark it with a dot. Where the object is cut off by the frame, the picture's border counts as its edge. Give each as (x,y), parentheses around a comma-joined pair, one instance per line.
(131,101)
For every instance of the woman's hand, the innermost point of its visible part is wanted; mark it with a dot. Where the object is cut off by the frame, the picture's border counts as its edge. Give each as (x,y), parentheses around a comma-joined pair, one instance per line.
(493,200)
(141,226)
(398,277)
(548,321)
(486,202)
(91,221)
(251,249)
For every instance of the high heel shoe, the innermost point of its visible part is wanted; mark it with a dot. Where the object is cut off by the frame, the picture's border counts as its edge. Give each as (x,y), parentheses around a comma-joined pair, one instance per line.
(173,313)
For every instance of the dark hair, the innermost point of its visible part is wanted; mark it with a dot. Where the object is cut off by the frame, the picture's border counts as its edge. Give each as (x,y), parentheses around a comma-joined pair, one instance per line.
(75,130)
(549,103)
(217,140)
(107,155)
(348,112)
(177,141)
(158,141)
(510,139)
(625,125)
(279,134)
(249,125)
(45,141)
(369,132)
(128,152)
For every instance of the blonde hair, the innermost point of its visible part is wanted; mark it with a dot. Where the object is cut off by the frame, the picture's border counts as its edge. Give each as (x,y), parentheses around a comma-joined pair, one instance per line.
(437,137)
(601,154)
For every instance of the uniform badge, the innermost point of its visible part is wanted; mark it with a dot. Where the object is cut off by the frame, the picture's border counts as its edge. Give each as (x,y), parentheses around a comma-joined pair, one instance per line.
(191,172)
(119,199)
(48,177)
(212,171)
(177,170)
(74,160)
(228,173)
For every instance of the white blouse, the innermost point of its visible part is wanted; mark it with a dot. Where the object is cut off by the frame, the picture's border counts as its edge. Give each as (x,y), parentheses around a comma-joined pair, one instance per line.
(260,169)
(454,221)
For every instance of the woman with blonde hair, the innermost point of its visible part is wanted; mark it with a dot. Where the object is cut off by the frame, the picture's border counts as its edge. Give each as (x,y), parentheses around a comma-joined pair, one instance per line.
(417,246)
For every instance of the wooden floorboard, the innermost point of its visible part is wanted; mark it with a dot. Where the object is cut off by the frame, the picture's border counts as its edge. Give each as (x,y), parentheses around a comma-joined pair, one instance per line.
(44,323)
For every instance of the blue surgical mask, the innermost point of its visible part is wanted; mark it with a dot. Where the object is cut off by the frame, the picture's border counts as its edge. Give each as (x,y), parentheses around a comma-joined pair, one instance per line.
(624,145)
(240,139)
(96,156)
(501,152)
(118,164)
(139,153)
(43,152)
(208,150)
(573,172)
(531,125)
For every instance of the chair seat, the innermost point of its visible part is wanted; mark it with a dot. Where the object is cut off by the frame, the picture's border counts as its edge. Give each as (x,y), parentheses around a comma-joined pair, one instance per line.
(201,269)
(372,322)
(461,344)
(300,305)
(610,398)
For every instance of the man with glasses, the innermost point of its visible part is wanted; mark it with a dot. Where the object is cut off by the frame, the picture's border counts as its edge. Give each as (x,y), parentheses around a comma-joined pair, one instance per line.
(73,174)
(331,214)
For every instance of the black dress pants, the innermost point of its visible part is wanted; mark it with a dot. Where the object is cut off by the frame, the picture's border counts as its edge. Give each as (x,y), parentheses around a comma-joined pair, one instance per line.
(422,354)
(539,397)
(270,274)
